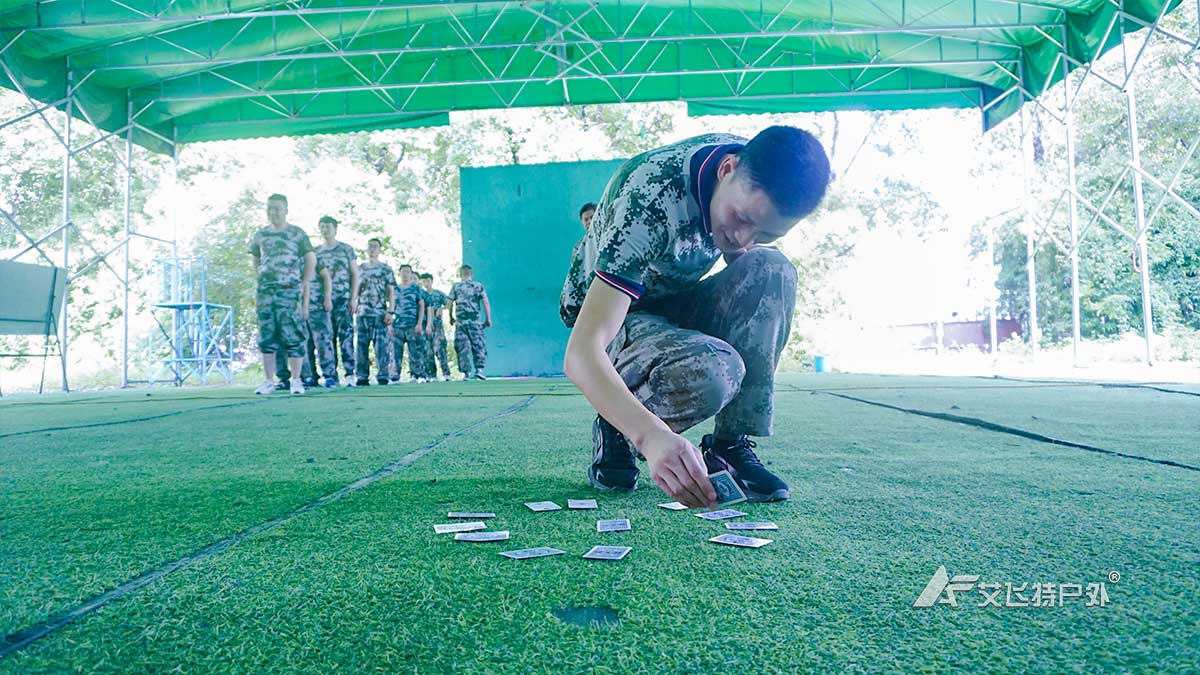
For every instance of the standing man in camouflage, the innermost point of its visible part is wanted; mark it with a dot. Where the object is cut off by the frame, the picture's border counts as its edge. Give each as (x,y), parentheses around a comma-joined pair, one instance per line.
(284,261)
(320,306)
(376,293)
(410,305)
(469,341)
(656,347)
(435,332)
(336,333)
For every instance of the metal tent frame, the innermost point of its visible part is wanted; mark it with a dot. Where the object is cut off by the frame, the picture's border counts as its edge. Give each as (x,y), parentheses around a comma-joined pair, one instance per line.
(161,73)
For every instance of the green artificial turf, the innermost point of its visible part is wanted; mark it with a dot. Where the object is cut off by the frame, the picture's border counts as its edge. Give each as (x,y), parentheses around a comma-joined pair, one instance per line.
(880,499)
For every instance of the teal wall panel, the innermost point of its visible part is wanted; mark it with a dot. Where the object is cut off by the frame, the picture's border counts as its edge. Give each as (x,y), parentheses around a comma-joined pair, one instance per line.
(519,225)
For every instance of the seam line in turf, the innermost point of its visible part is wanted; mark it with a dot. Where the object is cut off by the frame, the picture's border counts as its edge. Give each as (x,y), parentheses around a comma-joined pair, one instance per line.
(1000,428)
(94,425)
(21,639)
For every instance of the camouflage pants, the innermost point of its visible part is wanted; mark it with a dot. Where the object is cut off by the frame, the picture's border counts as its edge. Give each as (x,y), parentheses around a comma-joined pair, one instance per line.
(470,344)
(280,328)
(401,337)
(372,330)
(341,338)
(436,352)
(713,350)
(320,345)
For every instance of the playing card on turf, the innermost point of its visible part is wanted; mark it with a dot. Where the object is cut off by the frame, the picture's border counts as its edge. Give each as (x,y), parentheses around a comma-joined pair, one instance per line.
(728,491)
(470,515)
(673,506)
(720,515)
(607,552)
(459,527)
(737,540)
(614,525)
(751,526)
(543,506)
(501,535)
(582,504)
(524,553)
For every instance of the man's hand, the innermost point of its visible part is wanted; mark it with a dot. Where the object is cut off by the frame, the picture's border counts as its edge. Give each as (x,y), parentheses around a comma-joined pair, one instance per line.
(387,319)
(328,305)
(418,330)
(487,323)
(353,307)
(678,468)
(304,311)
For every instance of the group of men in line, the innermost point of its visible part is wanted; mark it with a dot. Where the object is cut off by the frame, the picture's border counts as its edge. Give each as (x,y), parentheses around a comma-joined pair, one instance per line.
(313,302)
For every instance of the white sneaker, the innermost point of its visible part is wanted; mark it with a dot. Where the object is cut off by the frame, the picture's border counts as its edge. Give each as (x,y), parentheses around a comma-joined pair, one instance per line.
(445,378)
(265,388)
(350,383)
(297,387)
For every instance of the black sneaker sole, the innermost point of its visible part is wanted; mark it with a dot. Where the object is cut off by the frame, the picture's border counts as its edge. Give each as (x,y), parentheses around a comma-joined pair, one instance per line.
(780,495)
(595,482)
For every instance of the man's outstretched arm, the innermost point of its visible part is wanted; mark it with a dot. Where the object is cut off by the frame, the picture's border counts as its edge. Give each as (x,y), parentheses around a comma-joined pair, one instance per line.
(675,464)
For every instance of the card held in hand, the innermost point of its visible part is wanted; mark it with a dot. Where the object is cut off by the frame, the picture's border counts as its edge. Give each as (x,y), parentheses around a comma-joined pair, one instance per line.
(525,553)
(728,491)
(459,527)
(500,535)
(543,506)
(738,540)
(607,552)
(613,525)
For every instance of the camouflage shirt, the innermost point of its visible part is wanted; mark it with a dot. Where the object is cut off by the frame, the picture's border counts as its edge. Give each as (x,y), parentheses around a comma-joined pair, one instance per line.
(281,258)
(435,300)
(374,280)
(649,238)
(337,260)
(408,299)
(467,297)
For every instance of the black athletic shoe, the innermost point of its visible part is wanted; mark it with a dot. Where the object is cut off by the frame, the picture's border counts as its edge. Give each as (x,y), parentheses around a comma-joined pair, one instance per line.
(283,385)
(381,381)
(613,464)
(761,485)
(362,382)
(310,384)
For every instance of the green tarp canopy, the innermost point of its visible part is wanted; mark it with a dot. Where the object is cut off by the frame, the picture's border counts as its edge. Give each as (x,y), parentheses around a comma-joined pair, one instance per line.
(196,70)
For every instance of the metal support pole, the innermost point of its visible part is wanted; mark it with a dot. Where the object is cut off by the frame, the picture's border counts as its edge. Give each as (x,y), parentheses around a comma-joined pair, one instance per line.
(991,258)
(1030,233)
(125,310)
(64,333)
(1139,206)
(1073,204)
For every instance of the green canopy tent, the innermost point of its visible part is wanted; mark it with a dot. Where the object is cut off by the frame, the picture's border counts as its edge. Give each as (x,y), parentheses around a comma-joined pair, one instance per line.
(196,70)
(160,73)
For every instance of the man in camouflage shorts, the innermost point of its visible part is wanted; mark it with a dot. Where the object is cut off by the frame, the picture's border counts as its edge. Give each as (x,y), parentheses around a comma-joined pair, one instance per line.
(284,261)
(435,332)
(658,348)
(376,299)
(470,344)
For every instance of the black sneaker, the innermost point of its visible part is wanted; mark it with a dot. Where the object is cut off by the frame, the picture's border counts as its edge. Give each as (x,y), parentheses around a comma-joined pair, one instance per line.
(760,484)
(283,385)
(381,381)
(362,382)
(613,464)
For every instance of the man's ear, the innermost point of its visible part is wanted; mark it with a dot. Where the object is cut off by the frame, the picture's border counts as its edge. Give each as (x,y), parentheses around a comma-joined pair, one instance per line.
(727,166)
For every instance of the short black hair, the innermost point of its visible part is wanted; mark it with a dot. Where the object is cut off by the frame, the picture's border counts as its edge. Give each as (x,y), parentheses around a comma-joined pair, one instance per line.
(790,165)
(328,219)
(464,267)
(405,265)
(277,198)
(426,275)
(590,206)
(375,240)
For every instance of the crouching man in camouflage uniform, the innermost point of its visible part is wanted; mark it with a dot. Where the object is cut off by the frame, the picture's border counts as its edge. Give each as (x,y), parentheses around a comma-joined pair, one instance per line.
(284,261)
(470,344)
(376,298)
(655,348)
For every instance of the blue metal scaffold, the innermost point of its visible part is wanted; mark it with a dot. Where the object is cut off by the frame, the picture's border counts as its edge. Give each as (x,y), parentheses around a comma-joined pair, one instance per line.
(197,338)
